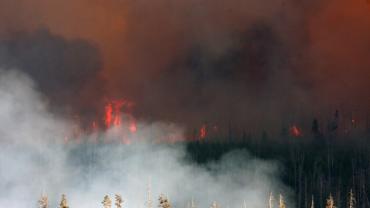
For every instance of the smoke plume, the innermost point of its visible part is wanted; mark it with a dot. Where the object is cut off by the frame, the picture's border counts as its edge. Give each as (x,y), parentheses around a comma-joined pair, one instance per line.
(253,64)
(35,159)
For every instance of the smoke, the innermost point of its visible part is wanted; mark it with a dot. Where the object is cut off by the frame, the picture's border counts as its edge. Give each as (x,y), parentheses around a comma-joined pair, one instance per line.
(253,64)
(34,159)
(66,71)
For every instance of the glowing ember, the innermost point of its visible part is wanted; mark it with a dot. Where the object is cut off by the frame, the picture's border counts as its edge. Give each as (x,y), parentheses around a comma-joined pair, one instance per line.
(295,131)
(203,132)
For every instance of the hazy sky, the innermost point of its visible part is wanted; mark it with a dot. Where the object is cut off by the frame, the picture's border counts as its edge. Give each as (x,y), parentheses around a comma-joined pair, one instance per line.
(251,63)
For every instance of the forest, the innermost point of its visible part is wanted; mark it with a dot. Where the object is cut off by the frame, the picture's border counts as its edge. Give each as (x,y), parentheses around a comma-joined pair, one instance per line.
(314,166)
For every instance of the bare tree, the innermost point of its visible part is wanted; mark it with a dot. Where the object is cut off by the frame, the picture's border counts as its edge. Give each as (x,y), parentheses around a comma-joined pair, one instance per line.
(312,202)
(271,200)
(149,202)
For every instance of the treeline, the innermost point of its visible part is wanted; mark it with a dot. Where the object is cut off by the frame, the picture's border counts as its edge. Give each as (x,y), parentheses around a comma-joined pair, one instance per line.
(106,203)
(164,202)
(315,166)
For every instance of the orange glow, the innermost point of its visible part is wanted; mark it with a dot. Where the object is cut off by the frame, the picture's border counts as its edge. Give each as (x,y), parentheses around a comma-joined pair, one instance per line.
(113,111)
(203,132)
(133,127)
(108,115)
(117,104)
(295,131)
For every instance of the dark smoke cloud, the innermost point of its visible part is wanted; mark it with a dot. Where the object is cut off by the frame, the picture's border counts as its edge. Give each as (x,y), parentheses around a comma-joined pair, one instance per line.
(250,78)
(256,64)
(64,70)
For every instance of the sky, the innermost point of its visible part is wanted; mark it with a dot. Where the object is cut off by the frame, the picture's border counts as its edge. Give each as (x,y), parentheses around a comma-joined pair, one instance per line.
(254,64)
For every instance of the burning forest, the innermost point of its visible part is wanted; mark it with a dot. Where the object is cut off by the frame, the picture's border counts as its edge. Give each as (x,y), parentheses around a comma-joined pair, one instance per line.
(194,103)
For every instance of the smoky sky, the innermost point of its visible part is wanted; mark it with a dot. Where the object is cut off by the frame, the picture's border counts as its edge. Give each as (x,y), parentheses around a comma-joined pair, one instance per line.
(64,70)
(35,160)
(251,63)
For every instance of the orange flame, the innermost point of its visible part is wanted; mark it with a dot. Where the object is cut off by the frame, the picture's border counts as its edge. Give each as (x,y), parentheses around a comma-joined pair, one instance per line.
(113,111)
(108,115)
(295,131)
(203,132)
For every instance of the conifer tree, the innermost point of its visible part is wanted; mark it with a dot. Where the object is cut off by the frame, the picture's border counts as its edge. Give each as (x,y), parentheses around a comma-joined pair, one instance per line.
(63,202)
(351,200)
(330,202)
(43,202)
(107,203)
(119,201)
(281,202)
(164,202)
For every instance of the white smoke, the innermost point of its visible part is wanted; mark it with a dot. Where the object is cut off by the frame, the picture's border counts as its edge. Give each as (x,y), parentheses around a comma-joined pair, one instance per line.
(34,160)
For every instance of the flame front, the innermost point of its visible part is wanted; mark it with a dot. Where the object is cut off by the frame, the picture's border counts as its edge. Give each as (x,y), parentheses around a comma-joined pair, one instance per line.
(113,111)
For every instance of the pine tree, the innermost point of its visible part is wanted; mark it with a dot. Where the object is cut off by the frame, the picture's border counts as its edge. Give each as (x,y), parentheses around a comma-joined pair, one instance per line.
(43,202)
(330,202)
(164,202)
(107,203)
(281,202)
(119,201)
(351,200)
(63,202)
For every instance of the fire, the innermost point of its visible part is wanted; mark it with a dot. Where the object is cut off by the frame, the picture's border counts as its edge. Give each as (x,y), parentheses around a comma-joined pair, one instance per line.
(108,115)
(117,111)
(118,115)
(295,131)
(203,132)
(113,111)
